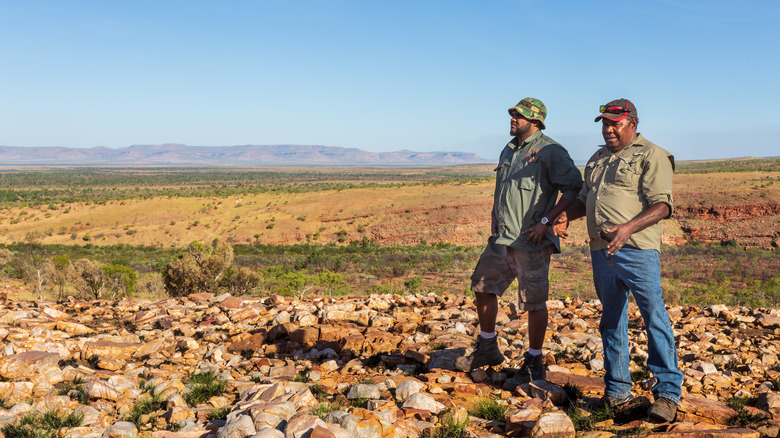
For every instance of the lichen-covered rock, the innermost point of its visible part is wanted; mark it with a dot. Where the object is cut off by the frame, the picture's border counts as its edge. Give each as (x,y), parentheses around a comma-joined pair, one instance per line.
(122,429)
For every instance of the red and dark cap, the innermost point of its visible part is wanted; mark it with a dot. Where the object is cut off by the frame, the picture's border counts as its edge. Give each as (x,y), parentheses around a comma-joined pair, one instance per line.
(617,110)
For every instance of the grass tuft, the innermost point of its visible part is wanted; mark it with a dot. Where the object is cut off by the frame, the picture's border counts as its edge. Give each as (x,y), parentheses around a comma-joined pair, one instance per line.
(585,420)
(204,386)
(743,418)
(573,393)
(302,376)
(317,391)
(639,375)
(489,409)
(219,413)
(41,425)
(143,408)
(450,428)
(323,409)
(77,385)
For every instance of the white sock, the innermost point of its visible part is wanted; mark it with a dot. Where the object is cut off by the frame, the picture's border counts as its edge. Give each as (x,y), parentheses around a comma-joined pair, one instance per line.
(533,352)
(487,335)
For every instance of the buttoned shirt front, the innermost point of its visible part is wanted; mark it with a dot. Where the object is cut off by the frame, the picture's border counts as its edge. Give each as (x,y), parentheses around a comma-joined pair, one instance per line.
(621,186)
(529,177)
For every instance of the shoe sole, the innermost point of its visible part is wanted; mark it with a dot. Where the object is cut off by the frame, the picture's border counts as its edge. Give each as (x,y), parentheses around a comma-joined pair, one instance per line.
(490,364)
(618,405)
(495,363)
(657,417)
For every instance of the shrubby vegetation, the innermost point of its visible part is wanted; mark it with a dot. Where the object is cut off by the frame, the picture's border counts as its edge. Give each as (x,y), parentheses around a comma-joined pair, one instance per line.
(57,187)
(703,275)
(733,165)
(694,275)
(204,269)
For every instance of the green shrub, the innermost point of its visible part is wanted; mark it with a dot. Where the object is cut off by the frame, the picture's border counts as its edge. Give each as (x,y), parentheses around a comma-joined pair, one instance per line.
(120,280)
(414,284)
(198,269)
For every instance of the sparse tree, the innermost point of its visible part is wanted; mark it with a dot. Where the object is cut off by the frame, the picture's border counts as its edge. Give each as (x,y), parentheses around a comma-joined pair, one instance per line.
(199,269)
(37,267)
(90,279)
(63,272)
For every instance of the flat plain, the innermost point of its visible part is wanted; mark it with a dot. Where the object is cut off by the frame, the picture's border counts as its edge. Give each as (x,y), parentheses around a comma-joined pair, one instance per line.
(393,206)
(723,211)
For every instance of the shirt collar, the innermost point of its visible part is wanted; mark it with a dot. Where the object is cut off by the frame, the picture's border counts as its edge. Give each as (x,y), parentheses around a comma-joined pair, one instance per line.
(514,142)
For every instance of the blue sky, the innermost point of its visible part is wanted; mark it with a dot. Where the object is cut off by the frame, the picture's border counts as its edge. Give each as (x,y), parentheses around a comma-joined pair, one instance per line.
(386,76)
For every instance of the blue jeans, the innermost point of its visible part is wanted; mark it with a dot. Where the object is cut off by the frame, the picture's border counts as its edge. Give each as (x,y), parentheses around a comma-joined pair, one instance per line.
(638,271)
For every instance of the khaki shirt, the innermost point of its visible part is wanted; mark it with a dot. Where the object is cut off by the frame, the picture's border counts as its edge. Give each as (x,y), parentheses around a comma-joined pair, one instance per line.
(619,187)
(529,177)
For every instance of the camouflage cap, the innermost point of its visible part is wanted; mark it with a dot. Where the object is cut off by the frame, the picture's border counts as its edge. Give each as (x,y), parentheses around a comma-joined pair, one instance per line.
(531,109)
(617,110)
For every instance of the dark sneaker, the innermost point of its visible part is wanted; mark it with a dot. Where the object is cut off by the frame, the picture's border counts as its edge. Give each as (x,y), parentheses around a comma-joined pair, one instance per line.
(609,401)
(663,410)
(532,368)
(485,353)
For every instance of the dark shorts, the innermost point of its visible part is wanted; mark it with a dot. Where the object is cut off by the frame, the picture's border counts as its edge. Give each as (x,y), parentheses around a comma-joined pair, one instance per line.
(500,265)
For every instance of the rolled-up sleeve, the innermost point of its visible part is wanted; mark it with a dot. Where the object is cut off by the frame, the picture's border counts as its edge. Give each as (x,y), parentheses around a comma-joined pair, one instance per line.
(656,180)
(564,175)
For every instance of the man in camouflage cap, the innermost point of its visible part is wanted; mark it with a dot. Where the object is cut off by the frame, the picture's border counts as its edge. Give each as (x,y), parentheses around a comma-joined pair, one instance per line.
(532,171)
(626,194)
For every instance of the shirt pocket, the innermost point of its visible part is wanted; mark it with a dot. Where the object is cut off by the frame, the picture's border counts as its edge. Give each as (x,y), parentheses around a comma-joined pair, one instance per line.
(628,171)
(592,174)
(528,176)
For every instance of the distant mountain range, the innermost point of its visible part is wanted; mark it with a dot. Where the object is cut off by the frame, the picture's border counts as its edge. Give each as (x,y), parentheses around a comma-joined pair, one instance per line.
(249,155)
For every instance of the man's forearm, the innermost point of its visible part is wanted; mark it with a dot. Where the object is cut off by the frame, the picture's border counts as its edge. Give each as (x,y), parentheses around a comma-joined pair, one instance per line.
(652,216)
(576,210)
(559,208)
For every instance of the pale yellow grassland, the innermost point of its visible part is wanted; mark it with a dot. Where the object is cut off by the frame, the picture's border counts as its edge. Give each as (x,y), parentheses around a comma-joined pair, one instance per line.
(457,213)
(240,218)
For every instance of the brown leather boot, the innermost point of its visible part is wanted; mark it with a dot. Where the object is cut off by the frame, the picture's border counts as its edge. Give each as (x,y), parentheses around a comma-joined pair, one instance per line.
(486,353)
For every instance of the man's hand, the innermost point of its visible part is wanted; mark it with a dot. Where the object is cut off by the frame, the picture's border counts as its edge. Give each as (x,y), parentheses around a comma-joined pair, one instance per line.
(561,226)
(620,234)
(536,233)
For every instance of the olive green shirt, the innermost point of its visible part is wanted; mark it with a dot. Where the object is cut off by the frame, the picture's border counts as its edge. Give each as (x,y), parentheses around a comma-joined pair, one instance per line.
(619,187)
(529,177)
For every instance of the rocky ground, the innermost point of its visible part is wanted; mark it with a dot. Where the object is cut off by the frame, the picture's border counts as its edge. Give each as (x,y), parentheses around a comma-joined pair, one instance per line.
(379,366)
